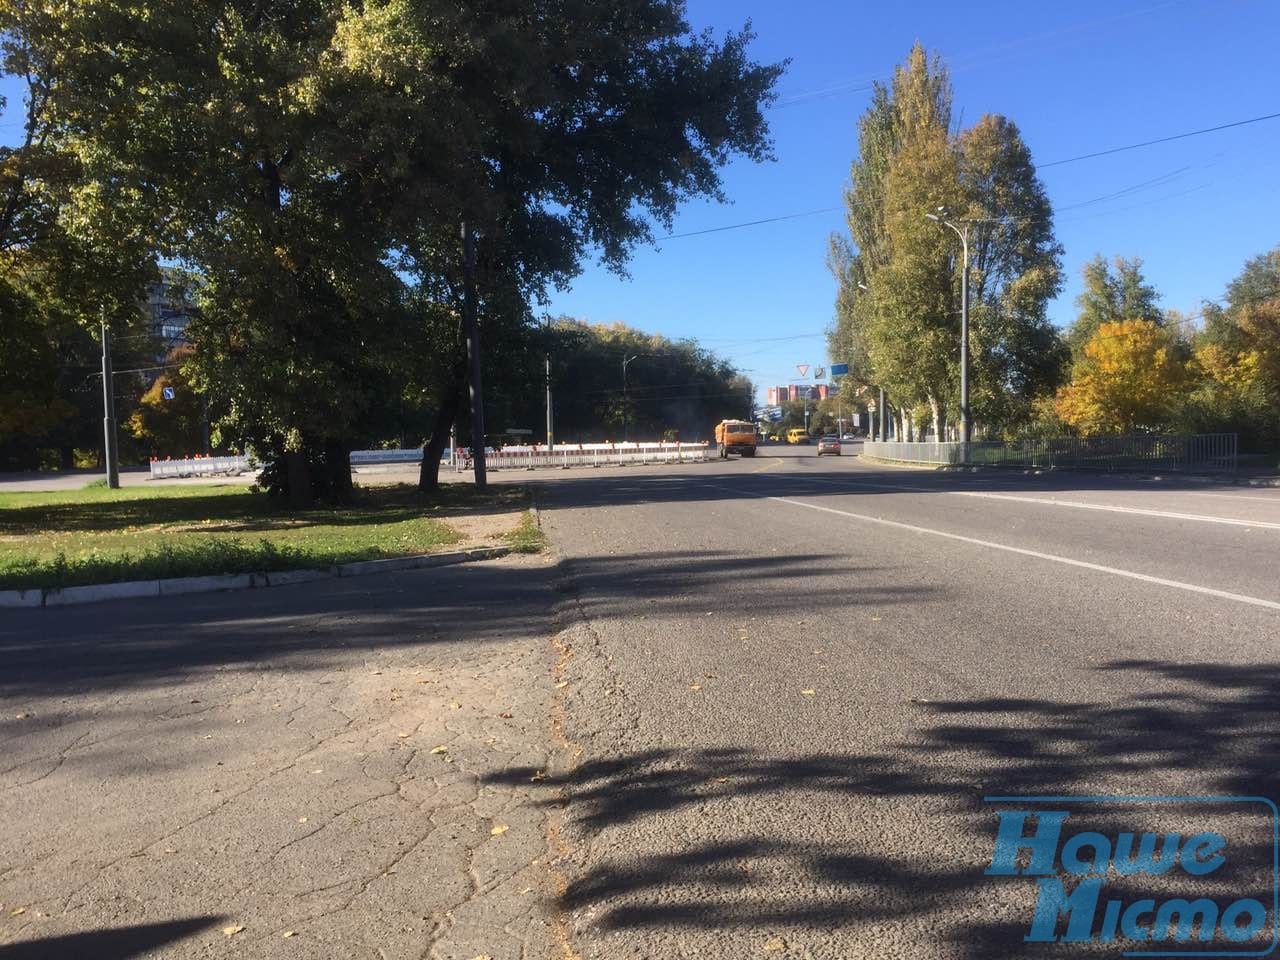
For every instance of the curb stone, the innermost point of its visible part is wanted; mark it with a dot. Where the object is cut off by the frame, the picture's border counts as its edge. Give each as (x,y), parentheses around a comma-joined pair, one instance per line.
(135,589)
(1039,471)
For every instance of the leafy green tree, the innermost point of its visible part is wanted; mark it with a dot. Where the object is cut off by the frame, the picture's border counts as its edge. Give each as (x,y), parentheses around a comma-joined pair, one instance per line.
(1112,292)
(1237,357)
(898,275)
(315,160)
(1015,270)
(69,258)
(673,387)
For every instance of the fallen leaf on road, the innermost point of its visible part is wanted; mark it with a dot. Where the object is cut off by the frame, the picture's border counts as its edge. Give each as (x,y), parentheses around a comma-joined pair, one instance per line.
(318,770)
(231,931)
(302,819)
(440,749)
(875,619)
(807,693)
(402,735)
(505,716)
(455,705)
(287,934)
(722,779)
(22,716)
(482,956)
(562,684)
(499,830)
(18,912)
(695,686)
(776,945)
(538,777)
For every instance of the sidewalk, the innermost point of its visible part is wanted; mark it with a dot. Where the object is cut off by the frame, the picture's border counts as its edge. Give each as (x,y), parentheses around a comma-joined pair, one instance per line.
(308,772)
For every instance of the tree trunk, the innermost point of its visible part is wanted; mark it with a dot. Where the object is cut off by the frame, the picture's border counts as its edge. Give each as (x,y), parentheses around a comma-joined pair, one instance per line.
(337,466)
(298,477)
(937,419)
(429,476)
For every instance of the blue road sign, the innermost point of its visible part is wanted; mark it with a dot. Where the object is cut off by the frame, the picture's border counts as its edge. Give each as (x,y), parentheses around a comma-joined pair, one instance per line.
(166,392)
(839,369)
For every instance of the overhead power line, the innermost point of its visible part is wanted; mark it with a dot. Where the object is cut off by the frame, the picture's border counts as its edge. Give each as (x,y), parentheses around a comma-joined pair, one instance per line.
(1150,143)
(751,223)
(1054,163)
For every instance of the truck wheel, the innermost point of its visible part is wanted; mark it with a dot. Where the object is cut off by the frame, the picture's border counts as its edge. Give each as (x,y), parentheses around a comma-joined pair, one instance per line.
(748,453)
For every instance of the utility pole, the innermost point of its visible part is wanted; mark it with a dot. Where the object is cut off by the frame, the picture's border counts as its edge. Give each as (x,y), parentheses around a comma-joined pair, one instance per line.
(109,410)
(550,434)
(625,408)
(471,323)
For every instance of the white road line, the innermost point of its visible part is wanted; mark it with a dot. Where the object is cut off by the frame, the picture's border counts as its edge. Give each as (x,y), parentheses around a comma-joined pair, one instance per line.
(1274,501)
(1047,501)
(992,545)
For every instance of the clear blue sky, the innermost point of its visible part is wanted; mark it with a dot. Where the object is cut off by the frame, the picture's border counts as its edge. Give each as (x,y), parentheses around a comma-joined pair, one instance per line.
(1075,77)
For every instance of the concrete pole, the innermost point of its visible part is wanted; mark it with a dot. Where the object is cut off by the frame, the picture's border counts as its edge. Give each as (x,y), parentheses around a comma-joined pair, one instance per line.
(964,338)
(109,411)
(471,323)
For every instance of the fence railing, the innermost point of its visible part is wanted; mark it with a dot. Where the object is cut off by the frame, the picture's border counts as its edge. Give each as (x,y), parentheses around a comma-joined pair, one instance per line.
(1177,453)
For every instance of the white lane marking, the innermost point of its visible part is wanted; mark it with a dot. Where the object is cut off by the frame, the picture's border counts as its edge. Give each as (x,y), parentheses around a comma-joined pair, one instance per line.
(1048,501)
(1022,551)
(1274,501)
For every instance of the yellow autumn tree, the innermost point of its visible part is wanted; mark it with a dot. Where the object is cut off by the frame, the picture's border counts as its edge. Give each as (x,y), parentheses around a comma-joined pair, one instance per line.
(1131,377)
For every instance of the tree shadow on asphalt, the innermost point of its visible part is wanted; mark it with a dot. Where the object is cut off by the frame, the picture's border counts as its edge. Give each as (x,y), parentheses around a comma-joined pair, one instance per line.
(118,943)
(811,477)
(1204,730)
(141,643)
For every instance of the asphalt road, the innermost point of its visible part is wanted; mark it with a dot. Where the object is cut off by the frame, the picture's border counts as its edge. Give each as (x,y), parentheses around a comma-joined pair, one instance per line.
(755,709)
(799,679)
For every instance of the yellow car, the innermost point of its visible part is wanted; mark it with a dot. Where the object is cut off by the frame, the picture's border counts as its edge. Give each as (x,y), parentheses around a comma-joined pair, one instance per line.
(797,435)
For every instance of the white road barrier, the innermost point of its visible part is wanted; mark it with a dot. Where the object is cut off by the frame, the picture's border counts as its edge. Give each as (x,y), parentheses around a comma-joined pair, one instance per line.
(565,455)
(508,458)
(199,467)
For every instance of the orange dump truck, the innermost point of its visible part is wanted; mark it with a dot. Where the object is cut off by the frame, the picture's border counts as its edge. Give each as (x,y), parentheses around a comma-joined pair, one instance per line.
(736,436)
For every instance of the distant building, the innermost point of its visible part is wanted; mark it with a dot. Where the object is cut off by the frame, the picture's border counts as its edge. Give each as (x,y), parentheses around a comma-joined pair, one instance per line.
(779,395)
(169,312)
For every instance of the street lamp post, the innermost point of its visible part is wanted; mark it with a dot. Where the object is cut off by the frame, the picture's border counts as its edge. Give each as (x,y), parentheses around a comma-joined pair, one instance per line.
(963,233)
(624,396)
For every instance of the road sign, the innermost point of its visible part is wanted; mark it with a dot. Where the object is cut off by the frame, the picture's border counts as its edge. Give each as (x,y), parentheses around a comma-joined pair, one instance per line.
(803,368)
(819,373)
(167,392)
(839,369)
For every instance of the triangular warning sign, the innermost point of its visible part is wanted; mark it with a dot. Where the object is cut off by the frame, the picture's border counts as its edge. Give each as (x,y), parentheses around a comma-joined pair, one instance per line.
(803,368)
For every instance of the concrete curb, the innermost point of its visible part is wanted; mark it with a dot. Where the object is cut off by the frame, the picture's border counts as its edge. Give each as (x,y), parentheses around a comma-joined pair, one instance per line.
(980,468)
(135,589)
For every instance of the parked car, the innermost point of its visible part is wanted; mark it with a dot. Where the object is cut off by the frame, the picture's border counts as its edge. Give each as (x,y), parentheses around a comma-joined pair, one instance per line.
(829,444)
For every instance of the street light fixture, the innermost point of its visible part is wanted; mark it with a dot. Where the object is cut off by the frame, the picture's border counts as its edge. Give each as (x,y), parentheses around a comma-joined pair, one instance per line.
(625,409)
(963,233)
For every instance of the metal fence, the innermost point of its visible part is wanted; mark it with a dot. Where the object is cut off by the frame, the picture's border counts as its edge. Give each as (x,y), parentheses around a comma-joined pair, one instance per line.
(1187,453)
